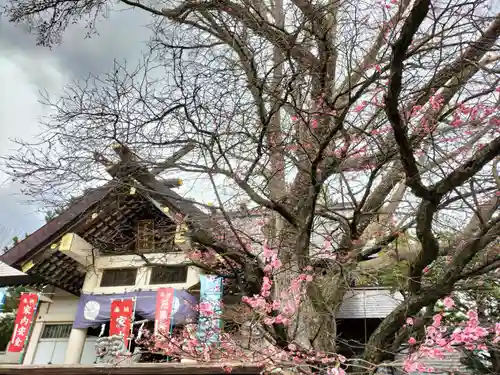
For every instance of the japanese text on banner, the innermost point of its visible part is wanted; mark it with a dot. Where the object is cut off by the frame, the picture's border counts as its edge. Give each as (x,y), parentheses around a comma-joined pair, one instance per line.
(164,307)
(122,314)
(24,318)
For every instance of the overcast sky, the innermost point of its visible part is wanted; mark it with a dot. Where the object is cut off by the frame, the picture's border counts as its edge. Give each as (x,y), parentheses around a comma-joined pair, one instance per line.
(25,69)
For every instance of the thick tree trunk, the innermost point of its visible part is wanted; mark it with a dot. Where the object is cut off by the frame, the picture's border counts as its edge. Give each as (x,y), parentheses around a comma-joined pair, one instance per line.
(494,351)
(313,324)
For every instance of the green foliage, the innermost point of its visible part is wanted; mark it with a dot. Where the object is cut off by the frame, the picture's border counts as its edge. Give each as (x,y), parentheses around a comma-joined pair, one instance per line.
(6,328)
(394,277)
(15,241)
(12,299)
(8,316)
(477,362)
(52,214)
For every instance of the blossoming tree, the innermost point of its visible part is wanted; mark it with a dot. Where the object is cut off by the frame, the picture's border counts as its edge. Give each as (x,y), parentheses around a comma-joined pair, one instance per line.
(363,130)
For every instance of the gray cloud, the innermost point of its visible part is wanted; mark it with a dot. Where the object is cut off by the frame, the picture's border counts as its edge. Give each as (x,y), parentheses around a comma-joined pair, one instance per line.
(17,216)
(121,35)
(25,69)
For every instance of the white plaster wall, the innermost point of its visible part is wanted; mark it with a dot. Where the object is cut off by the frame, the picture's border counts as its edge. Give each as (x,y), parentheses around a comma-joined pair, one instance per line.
(9,358)
(81,251)
(143,272)
(61,309)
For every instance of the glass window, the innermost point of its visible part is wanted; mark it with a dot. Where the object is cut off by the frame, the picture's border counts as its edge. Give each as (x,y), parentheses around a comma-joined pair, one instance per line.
(168,274)
(56,331)
(119,277)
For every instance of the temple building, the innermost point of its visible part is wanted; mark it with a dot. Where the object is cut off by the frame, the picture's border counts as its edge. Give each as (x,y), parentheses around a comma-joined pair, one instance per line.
(114,264)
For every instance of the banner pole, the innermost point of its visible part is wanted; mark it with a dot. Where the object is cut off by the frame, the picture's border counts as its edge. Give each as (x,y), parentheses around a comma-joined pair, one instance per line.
(131,333)
(171,326)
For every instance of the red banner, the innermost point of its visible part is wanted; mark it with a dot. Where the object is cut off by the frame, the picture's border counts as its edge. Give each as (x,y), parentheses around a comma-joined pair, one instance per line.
(24,318)
(122,314)
(164,306)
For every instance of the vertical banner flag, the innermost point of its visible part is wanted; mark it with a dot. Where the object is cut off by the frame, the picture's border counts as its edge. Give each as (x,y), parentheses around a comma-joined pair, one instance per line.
(165,301)
(209,321)
(24,318)
(122,314)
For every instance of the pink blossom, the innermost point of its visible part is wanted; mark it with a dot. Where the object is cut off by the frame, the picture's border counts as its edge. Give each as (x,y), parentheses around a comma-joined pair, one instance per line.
(437,320)
(497,333)
(436,101)
(412,341)
(269,321)
(327,245)
(449,303)
(361,106)
(206,308)
(415,110)
(409,321)
(336,371)
(280,319)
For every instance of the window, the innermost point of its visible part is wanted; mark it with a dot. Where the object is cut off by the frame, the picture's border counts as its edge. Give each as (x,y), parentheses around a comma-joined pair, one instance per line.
(168,275)
(119,277)
(56,331)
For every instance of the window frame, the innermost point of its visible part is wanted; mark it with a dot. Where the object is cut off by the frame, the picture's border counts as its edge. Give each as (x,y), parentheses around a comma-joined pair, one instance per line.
(114,284)
(161,268)
(62,338)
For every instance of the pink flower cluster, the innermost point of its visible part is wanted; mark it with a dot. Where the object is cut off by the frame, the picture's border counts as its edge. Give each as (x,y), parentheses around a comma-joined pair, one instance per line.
(282,310)
(439,341)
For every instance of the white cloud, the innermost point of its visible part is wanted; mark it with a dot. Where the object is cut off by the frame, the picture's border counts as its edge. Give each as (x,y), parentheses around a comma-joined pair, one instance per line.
(25,69)
(20,110)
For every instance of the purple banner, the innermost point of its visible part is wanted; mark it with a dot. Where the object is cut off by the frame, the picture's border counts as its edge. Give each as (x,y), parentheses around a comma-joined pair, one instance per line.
(94,309)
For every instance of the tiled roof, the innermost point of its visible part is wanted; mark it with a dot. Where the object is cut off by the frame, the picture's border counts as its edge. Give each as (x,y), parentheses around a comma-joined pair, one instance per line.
(6,270)
(360,303)
(449,363)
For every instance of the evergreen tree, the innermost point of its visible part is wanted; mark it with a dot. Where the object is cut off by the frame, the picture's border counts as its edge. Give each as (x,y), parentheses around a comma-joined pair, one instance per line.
(8,314)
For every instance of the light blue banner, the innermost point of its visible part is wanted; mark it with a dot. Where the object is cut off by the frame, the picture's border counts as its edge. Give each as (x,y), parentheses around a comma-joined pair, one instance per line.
(3,297)
(209,321)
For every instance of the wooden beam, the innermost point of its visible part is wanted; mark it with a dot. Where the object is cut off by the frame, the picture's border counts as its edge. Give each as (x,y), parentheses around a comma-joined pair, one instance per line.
(20,280)
(154,188)
(172,182)
(75,247)
(169,162)
(135,369)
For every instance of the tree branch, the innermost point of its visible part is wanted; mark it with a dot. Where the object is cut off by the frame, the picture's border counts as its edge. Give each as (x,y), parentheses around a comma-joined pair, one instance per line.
(410,27)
